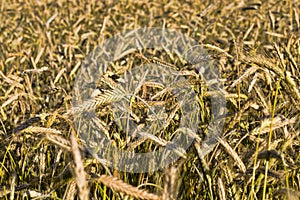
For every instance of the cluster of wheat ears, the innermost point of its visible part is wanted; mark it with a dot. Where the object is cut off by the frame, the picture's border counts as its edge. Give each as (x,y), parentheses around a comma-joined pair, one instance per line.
(255,48)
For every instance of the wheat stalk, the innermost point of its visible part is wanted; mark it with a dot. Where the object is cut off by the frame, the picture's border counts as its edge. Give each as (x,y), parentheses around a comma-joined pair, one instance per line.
(79,170)
(172,184)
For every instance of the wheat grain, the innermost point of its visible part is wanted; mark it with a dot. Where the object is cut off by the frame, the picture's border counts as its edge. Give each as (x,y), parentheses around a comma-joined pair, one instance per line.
(125,188)
(35,129)
(58,140)
(221,189)
(71,191)
(233,154)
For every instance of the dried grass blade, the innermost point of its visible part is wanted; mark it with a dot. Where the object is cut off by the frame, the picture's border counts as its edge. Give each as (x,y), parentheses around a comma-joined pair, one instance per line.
(247,73)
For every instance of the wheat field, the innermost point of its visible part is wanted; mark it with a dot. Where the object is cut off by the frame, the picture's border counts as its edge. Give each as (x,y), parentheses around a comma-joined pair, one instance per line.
(255,46)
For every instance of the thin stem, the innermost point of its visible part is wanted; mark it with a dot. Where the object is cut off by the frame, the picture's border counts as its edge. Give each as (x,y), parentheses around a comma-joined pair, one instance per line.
(270,138)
